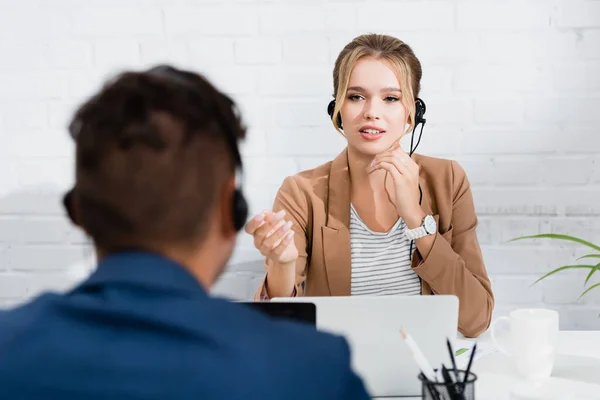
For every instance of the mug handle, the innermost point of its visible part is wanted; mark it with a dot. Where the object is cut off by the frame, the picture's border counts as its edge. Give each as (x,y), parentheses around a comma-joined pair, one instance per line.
(493,332)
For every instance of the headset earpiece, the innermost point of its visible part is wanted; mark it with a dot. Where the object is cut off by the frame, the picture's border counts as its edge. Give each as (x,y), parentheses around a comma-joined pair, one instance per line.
(331,109)
(420,111)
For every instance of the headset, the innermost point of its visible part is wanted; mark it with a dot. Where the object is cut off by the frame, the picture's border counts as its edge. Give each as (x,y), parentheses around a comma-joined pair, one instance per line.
(239,204)
(420,109)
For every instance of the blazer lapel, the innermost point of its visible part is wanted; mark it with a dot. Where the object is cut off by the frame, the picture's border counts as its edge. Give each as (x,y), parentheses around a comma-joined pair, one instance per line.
(336,233)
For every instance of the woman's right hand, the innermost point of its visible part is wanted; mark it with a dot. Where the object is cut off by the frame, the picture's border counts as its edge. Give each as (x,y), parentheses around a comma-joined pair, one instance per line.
(273,237)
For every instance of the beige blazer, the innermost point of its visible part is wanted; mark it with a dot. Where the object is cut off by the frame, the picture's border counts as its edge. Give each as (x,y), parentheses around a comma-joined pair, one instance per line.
(318,203)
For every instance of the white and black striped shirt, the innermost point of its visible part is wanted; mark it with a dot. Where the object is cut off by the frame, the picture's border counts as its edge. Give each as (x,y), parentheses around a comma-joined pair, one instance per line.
(381,260)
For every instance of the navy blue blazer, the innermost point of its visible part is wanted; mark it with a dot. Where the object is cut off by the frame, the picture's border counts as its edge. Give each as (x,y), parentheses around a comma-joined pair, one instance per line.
(142,327)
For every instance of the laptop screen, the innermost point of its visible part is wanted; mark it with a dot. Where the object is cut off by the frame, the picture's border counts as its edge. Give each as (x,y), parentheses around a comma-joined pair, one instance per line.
(299,312)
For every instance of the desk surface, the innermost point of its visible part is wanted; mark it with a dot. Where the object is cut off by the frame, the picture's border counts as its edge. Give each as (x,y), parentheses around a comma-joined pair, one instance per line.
(576,373)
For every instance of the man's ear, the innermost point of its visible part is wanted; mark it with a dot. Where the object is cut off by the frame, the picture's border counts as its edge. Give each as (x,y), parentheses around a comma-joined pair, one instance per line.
(71,207)
(226,208)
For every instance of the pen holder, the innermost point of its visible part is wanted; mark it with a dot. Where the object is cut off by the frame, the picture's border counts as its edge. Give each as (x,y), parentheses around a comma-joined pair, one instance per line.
(457,389)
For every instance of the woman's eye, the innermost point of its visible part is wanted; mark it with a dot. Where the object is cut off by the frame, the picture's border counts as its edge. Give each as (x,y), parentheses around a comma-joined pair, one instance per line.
(354,97)
(391,99)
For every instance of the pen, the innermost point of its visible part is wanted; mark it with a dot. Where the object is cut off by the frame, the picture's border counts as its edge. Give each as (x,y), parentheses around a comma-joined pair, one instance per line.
(452,358)
(418,356)
(464,383)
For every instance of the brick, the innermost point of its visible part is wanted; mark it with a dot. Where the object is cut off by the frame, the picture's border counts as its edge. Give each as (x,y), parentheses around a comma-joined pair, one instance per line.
(590,44)
(24,114)
(578,14)
(211,51)
(31,203)
(436,80)
(212,21)
(21,23)
(579,318)
(506,15)
(528,48)
(479,140)
(449,110)
(40,258)
(300,50)
(304,82)
(517,201)
(61,112)
(437,140)
(340,17)
(255,143)
(164,52)
(117,21)
(39,85)
(49,143)
(301,141)
(516,291)
(504,110)
(484,231)
(261,50)
(20,56)
(58,171)
(271,170)
(14,285)
(437,15)
(450,48)
(506,79)
(235,81)
(38,230)
(573,110)
(479,169)
(567,171)
(69,54)
(286,19)
(113,54)
(586,228)
(522,258)
(581,140)
(82,85)
(562,288)
(296,113)
(577,77)
(505,229)
(580,201)
(517,171)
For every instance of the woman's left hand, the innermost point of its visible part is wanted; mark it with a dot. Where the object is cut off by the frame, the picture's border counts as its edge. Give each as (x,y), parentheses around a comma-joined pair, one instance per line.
(405,174)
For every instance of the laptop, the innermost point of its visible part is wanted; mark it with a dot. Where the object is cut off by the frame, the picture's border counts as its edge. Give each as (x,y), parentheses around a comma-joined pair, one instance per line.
(372,327)
(304,312)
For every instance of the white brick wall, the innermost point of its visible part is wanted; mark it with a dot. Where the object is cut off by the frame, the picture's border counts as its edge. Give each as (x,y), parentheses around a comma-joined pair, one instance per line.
(512,91)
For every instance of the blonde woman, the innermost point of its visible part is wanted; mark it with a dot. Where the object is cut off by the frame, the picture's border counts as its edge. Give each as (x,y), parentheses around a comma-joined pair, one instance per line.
(376,220)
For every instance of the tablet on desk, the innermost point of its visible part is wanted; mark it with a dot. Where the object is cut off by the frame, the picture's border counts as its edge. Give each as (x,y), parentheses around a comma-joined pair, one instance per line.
(299,312)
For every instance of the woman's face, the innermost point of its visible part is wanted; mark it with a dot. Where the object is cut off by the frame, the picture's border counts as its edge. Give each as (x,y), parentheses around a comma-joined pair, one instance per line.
(373,116)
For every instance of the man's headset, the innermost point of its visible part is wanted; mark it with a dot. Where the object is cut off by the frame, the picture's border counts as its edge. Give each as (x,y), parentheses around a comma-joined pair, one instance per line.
(419,119)
(240,205)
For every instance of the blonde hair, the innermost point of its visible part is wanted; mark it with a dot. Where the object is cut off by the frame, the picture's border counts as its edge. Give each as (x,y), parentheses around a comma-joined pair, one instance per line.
(381,47)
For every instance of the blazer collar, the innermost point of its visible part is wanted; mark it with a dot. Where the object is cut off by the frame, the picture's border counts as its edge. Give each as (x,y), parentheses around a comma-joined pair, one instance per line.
(149,270)
(336,233)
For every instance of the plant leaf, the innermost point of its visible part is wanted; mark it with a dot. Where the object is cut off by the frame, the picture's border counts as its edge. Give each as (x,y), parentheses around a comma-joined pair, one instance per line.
(590,288)
(461,351)
(589,256)
(559,237)
(577,266)
(590,274)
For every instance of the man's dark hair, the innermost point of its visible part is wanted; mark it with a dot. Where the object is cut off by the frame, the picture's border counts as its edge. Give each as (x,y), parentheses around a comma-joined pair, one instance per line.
(153,151)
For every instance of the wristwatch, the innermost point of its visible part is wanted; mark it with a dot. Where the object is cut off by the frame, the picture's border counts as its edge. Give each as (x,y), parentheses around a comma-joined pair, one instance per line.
(428,227)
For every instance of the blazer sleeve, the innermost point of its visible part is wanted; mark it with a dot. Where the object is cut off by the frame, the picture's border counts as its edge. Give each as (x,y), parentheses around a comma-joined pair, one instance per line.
(292,199)
(455,265)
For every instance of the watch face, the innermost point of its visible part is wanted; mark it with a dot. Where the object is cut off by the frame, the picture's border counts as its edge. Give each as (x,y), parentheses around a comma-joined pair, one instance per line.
(429,224)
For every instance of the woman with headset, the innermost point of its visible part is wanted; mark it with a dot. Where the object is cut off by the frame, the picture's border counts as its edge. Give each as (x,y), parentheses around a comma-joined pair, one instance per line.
(376,220)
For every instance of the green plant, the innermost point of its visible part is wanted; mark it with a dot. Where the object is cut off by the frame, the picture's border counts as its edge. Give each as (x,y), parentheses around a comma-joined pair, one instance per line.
(592,268)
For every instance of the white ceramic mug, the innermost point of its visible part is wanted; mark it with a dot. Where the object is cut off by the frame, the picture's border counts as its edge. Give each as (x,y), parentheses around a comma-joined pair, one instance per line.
(533,336)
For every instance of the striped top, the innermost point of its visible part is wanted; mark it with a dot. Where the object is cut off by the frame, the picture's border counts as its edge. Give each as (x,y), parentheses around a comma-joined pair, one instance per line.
(381,260)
